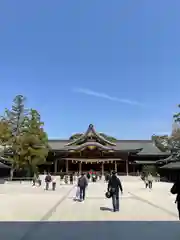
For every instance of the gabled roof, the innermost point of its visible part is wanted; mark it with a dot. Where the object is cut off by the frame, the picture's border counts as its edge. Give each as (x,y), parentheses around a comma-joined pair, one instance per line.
(147,147)
(142,147)
(88,144)
(56,144)
(90,131)
(3,166)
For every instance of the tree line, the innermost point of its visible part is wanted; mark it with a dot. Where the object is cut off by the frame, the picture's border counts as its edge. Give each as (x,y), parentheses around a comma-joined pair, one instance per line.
(170,142)
(22,137)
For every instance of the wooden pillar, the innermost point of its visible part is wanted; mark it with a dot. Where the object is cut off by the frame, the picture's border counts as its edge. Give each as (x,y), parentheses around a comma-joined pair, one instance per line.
(127,165)
(115,166)
(80,167)
(102,169)
(67,167)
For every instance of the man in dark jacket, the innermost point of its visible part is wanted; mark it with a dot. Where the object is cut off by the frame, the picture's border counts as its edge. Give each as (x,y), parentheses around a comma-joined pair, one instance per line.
(114,185)
(82,184)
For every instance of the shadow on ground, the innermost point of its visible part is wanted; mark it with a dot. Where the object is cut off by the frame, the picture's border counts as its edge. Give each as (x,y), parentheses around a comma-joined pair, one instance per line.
(105,209)
(90,230)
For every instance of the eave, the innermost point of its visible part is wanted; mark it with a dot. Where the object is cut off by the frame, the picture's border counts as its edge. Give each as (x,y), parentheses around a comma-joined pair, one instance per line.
(89,144)
(172,166)
(144,162)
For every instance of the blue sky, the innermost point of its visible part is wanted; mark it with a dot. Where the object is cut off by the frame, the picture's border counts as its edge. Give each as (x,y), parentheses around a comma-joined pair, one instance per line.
(115,64)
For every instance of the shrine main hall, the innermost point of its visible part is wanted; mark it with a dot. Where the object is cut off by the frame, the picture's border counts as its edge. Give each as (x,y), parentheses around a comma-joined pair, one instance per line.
(92,150)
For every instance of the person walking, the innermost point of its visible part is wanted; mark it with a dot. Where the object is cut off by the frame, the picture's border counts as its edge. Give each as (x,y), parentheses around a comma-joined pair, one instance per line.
(176,190)
(82,184)
(53,180)
(88,176)
(146,182)
(47,181)
(114,185)
(150,180)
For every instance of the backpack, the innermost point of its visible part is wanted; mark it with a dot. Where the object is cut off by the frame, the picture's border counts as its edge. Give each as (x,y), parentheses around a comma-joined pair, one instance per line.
(48,179)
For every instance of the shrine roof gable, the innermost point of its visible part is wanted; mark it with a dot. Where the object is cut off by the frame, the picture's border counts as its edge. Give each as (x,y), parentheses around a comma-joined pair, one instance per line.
(91,132)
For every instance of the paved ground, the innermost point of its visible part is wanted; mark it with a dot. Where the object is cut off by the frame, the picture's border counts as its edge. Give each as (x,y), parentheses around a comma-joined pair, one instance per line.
(92,217)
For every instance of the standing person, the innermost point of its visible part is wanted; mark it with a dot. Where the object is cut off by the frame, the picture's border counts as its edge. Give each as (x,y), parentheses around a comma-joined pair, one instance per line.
(34,180)
(176,190)
(114,185)
(47,181)
(150,180)
(53,180)
(61,177)
(93,177)
(88,176)
(82,184)
(71,178)
(146,182)
(107,177)
(66,179)
(39,181)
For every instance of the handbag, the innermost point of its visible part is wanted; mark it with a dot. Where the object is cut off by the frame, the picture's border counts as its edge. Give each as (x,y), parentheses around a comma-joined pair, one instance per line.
(108,194)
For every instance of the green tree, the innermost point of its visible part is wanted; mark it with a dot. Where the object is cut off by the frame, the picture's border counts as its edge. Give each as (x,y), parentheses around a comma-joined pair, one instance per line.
(21,131)
(146,169)
(109,138)
(75,136)
(5,132)
(15,119)
(176,116)
(161,142)
(33,142)
(15,116)
(171,143)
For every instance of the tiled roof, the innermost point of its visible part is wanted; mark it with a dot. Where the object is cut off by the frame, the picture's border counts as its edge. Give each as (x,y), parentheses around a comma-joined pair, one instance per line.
(86,144)
(3,166)
(172,165)
(57,144)
(147,146)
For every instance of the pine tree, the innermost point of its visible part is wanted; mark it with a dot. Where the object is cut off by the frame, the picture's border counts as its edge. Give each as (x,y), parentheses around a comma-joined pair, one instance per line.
(16,115)
(21,130)
(15,119)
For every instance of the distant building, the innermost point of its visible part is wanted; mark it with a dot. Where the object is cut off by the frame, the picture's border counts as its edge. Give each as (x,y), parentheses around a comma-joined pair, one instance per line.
(92,150)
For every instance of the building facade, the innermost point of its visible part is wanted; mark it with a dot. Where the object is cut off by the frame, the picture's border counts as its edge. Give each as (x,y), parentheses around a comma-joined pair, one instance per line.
(92,151)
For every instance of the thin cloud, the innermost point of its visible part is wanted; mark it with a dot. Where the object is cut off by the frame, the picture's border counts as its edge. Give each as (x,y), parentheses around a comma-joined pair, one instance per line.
(106,96)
